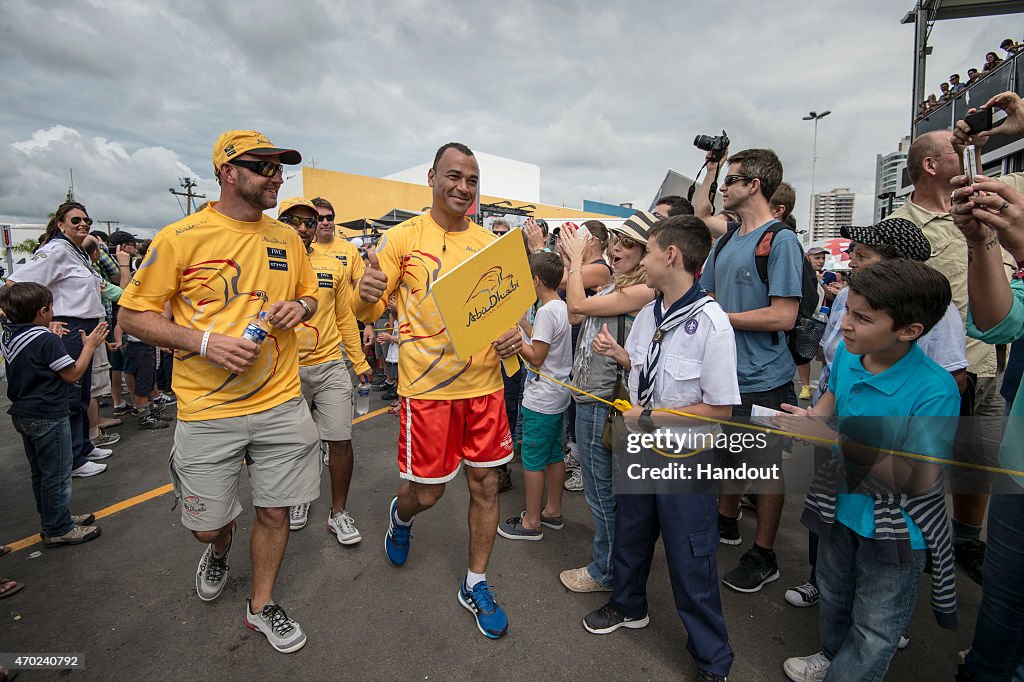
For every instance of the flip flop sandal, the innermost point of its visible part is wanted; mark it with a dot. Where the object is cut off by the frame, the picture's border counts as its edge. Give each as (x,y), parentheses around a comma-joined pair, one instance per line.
(17,587)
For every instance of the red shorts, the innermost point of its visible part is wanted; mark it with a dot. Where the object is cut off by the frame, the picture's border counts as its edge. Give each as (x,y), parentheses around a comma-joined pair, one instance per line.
(435,436)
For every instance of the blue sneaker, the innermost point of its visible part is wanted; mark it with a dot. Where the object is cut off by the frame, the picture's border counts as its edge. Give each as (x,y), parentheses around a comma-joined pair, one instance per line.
(396,542)
(490,618)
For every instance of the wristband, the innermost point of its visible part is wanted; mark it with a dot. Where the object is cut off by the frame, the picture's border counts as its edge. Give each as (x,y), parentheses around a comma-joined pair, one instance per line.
(206,341)
(575,270)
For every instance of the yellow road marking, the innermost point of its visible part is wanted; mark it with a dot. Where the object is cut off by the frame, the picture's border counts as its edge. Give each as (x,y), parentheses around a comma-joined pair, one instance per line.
(35,539)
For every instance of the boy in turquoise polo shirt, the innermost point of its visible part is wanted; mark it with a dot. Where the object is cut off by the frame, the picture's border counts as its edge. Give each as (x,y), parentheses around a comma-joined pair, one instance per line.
(880,516)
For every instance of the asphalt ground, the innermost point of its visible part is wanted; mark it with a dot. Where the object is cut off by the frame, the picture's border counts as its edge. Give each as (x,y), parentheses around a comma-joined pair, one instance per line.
(126,602)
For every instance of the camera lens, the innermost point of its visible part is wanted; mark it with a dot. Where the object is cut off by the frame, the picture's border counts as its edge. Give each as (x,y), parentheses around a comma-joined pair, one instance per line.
(703,142)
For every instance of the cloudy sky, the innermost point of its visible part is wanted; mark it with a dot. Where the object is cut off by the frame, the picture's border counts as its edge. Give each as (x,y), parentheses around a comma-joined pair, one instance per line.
(605,97)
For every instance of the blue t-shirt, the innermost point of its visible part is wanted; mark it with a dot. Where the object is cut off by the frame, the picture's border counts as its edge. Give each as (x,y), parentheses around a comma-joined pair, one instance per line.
(732,278)
(34,355)
(915,386)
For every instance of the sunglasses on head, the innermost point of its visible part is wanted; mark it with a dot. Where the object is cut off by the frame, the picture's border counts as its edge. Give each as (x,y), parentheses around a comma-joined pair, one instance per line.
(267,169)
(730,179)
(295,221)
(329,218)
(78,219)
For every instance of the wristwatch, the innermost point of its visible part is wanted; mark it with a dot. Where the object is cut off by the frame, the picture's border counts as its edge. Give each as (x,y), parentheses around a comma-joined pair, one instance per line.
(645,422)
(305,306)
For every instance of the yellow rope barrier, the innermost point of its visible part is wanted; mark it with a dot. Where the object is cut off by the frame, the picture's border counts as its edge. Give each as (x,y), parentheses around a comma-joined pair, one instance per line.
(624,406)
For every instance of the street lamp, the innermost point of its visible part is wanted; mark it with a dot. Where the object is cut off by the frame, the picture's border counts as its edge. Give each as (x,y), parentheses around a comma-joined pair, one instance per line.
(814,116)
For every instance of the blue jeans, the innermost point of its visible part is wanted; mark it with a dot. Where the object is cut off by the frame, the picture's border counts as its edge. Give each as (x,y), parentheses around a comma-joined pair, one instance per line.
(998,648)
(48,449)
(865,604)
(597,465)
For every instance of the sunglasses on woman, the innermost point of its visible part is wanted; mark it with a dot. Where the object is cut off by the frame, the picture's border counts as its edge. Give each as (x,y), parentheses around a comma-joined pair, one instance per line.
(628,242)
(295,221)
(78,219)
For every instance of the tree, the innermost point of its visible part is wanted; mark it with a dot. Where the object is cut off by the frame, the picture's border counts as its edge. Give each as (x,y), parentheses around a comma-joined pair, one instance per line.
(27,245)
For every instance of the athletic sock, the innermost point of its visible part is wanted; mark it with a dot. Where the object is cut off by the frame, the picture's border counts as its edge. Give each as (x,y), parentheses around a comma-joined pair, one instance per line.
(474,578)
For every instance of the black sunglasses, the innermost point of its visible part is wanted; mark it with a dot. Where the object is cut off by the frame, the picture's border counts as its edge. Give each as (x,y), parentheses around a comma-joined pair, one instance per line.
(295,221)
(326,218)
(730,179)
(265,168)
(77,219)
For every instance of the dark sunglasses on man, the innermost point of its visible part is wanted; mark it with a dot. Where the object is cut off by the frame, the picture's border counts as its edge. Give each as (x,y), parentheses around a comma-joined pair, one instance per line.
(730,179)
(295,221)
(267,169)
(329,218)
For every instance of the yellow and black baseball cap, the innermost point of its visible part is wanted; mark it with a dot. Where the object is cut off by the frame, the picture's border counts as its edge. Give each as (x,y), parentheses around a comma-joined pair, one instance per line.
(234,143)
(291,202)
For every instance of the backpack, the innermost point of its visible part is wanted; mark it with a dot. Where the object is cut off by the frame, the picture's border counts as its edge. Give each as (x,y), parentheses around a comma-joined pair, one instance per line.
(804,337)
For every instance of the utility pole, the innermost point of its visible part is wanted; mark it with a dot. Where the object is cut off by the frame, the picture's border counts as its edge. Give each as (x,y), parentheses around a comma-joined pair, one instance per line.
(108,223)
(814,116)
(188,184)
(71,188)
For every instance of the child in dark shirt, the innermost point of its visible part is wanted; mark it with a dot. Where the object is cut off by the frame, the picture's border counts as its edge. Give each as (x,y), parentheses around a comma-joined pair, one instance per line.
(38,369)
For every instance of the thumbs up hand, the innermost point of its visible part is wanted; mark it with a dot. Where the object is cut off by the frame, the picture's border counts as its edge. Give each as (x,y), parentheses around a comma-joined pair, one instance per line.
(374,282)
(604,343)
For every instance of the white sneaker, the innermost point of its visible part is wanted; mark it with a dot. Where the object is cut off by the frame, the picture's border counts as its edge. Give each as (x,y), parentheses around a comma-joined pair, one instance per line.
(811,668)
(572,456)
(904,641)
(99,453)
(342,525)
(283,633)
(88,469)
(574,482)
(299,516)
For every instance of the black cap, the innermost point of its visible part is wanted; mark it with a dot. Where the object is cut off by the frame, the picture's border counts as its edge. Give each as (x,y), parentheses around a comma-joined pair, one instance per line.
(120,237)
(898,234)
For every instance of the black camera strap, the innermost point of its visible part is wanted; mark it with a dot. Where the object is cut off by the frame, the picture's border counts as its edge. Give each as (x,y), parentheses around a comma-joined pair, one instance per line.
(711,190)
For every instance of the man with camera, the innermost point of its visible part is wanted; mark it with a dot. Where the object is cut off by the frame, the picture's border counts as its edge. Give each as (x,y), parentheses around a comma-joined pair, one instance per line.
(760,313)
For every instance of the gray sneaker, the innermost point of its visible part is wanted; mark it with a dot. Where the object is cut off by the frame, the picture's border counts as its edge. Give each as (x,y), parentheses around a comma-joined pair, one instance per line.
(283,633)
(210,578)
(344,527)
(150,421)
(298,516)
(75,536)
(83,519)
(105,439)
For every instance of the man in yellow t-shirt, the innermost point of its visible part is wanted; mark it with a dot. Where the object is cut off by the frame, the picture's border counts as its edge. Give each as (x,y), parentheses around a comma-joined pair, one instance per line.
(239,401)
(326,384)
(452,409)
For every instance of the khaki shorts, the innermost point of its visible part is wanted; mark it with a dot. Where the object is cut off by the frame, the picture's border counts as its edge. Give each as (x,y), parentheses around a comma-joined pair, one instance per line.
(100,373)
(327,388)
(280,445)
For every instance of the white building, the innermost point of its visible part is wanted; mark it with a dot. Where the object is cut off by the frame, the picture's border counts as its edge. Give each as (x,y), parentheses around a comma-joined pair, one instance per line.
(499,177)
(888,180)
(830,210)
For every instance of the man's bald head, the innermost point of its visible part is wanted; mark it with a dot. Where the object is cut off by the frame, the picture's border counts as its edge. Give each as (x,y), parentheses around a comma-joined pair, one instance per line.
(932,156)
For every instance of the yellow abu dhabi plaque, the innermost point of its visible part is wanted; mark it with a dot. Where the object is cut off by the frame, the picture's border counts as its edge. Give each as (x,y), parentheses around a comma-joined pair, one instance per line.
(484,297)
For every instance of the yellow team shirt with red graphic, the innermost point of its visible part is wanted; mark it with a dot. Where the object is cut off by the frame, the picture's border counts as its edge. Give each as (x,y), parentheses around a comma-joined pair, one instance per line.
(333,323)
(347,254)
(414,255)
(218,274)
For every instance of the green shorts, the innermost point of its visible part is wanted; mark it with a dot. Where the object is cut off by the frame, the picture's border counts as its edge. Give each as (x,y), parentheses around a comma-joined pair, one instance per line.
(542,439)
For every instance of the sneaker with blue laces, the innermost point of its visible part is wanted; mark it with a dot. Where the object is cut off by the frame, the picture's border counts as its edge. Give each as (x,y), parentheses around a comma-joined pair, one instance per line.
(490,618)
(396,542)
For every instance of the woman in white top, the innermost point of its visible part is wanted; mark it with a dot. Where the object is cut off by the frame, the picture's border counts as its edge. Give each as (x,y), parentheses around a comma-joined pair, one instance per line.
(65,269)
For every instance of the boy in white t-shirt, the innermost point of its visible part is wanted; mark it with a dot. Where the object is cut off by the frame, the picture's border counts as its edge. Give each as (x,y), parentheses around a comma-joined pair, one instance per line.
(548,347)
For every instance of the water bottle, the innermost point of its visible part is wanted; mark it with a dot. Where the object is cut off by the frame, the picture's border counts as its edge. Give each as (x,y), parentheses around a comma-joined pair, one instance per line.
(362,399)
(823,314)
(257,330)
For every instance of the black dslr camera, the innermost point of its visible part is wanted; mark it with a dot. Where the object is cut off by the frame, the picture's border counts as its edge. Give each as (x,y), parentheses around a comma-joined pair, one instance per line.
(716,145)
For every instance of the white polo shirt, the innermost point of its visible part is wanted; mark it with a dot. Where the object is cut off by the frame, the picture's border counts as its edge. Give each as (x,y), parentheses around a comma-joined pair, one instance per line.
(67,272)
(697,362)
